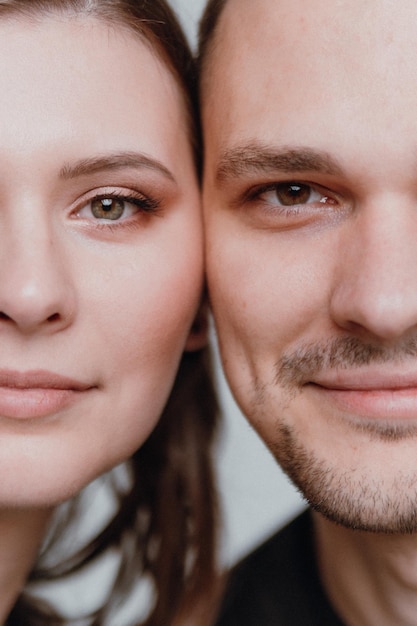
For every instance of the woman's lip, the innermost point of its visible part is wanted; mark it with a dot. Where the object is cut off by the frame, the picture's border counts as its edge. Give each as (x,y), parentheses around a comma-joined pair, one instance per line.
(40,379)
(37,393)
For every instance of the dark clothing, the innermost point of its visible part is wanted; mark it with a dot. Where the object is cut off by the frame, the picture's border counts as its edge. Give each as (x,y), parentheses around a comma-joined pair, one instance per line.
(278,584)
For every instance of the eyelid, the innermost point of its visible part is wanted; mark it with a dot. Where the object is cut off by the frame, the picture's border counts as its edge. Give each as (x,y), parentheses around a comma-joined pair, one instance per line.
(254,193)
(144,202)
(262,214)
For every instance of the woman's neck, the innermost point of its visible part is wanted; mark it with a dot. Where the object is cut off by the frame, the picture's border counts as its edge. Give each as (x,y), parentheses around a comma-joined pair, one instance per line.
(371,579)
(21,533)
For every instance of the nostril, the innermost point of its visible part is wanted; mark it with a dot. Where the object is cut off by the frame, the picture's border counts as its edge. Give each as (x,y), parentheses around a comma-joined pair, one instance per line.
(54,318)
(3,316)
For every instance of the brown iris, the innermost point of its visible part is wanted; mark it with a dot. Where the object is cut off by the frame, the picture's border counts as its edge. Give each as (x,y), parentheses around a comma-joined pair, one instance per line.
(107,208)
(290,194)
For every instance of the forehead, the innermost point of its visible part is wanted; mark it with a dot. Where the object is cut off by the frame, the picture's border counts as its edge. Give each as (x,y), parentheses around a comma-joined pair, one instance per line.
(77,38)
(275,63)
(305,32)
(97,81)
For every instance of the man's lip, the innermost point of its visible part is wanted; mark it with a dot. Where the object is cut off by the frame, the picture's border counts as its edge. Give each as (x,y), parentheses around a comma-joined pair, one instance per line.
(40,379)
(365,380)
(370,394)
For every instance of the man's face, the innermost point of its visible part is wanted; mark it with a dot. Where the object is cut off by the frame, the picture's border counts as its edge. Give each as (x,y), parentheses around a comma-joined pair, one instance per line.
(310,121)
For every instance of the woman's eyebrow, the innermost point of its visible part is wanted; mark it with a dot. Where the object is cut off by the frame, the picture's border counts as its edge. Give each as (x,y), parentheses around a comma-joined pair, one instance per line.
(114,161)
(257,158)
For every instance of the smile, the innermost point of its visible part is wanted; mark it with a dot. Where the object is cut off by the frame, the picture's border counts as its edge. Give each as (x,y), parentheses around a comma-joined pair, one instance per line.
(35,394)
(371,394)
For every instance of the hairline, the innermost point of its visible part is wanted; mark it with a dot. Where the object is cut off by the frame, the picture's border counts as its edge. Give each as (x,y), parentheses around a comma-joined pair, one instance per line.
(209,24)
(39,10)
(117,19)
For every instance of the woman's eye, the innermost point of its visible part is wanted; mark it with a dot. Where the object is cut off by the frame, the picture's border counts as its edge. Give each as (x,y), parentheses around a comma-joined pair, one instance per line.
(116,208)
(292,194)
(108,208)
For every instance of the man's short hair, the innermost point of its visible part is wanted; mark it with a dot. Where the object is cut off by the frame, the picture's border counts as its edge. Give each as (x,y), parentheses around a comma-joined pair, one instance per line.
(207,28)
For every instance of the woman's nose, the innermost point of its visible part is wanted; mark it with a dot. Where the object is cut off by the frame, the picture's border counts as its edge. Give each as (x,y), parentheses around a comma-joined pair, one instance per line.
(36,290)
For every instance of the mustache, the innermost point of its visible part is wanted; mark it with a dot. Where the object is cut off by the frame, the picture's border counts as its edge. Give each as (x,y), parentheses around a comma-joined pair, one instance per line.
(301,366)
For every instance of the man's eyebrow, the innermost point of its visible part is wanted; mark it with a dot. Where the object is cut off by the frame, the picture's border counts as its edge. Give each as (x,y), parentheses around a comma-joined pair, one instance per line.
(257,158)
(114,161)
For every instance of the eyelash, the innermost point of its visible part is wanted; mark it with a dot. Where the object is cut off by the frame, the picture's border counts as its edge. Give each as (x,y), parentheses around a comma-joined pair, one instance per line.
(254,195)
(146,206)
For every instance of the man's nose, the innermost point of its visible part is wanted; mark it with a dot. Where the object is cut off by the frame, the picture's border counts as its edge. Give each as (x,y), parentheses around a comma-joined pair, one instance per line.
(36,290)
(375,287)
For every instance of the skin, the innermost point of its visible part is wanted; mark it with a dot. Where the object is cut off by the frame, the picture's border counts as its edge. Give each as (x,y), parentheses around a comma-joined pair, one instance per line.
(109,303)
(310,201)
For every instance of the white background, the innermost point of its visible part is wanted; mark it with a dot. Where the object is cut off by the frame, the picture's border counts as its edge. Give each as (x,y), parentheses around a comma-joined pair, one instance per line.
(256,496)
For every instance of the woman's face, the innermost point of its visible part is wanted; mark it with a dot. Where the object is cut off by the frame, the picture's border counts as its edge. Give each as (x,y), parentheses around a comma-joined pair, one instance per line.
(100,251)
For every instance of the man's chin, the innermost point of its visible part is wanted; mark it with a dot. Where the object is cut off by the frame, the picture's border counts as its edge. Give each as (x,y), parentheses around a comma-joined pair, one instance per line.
(378,503)
(396,522)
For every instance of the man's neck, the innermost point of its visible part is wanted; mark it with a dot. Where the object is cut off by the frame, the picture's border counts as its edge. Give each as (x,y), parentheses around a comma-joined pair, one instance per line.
(370,579)
(21,533)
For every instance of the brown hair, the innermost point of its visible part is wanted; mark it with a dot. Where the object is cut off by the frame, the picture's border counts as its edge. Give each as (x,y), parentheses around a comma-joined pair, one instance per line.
(208,24)
(165,524)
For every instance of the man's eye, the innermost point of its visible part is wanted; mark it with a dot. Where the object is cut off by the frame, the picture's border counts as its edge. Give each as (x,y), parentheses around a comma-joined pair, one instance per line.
(292,204)
(292,194)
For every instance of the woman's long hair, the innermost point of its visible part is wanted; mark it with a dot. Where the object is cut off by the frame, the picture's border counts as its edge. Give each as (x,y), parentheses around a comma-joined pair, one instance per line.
(165,522)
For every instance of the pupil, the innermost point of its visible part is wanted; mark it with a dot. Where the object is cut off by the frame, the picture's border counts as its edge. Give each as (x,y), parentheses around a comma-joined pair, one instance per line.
(107,204)
(293,194)
(107,208)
